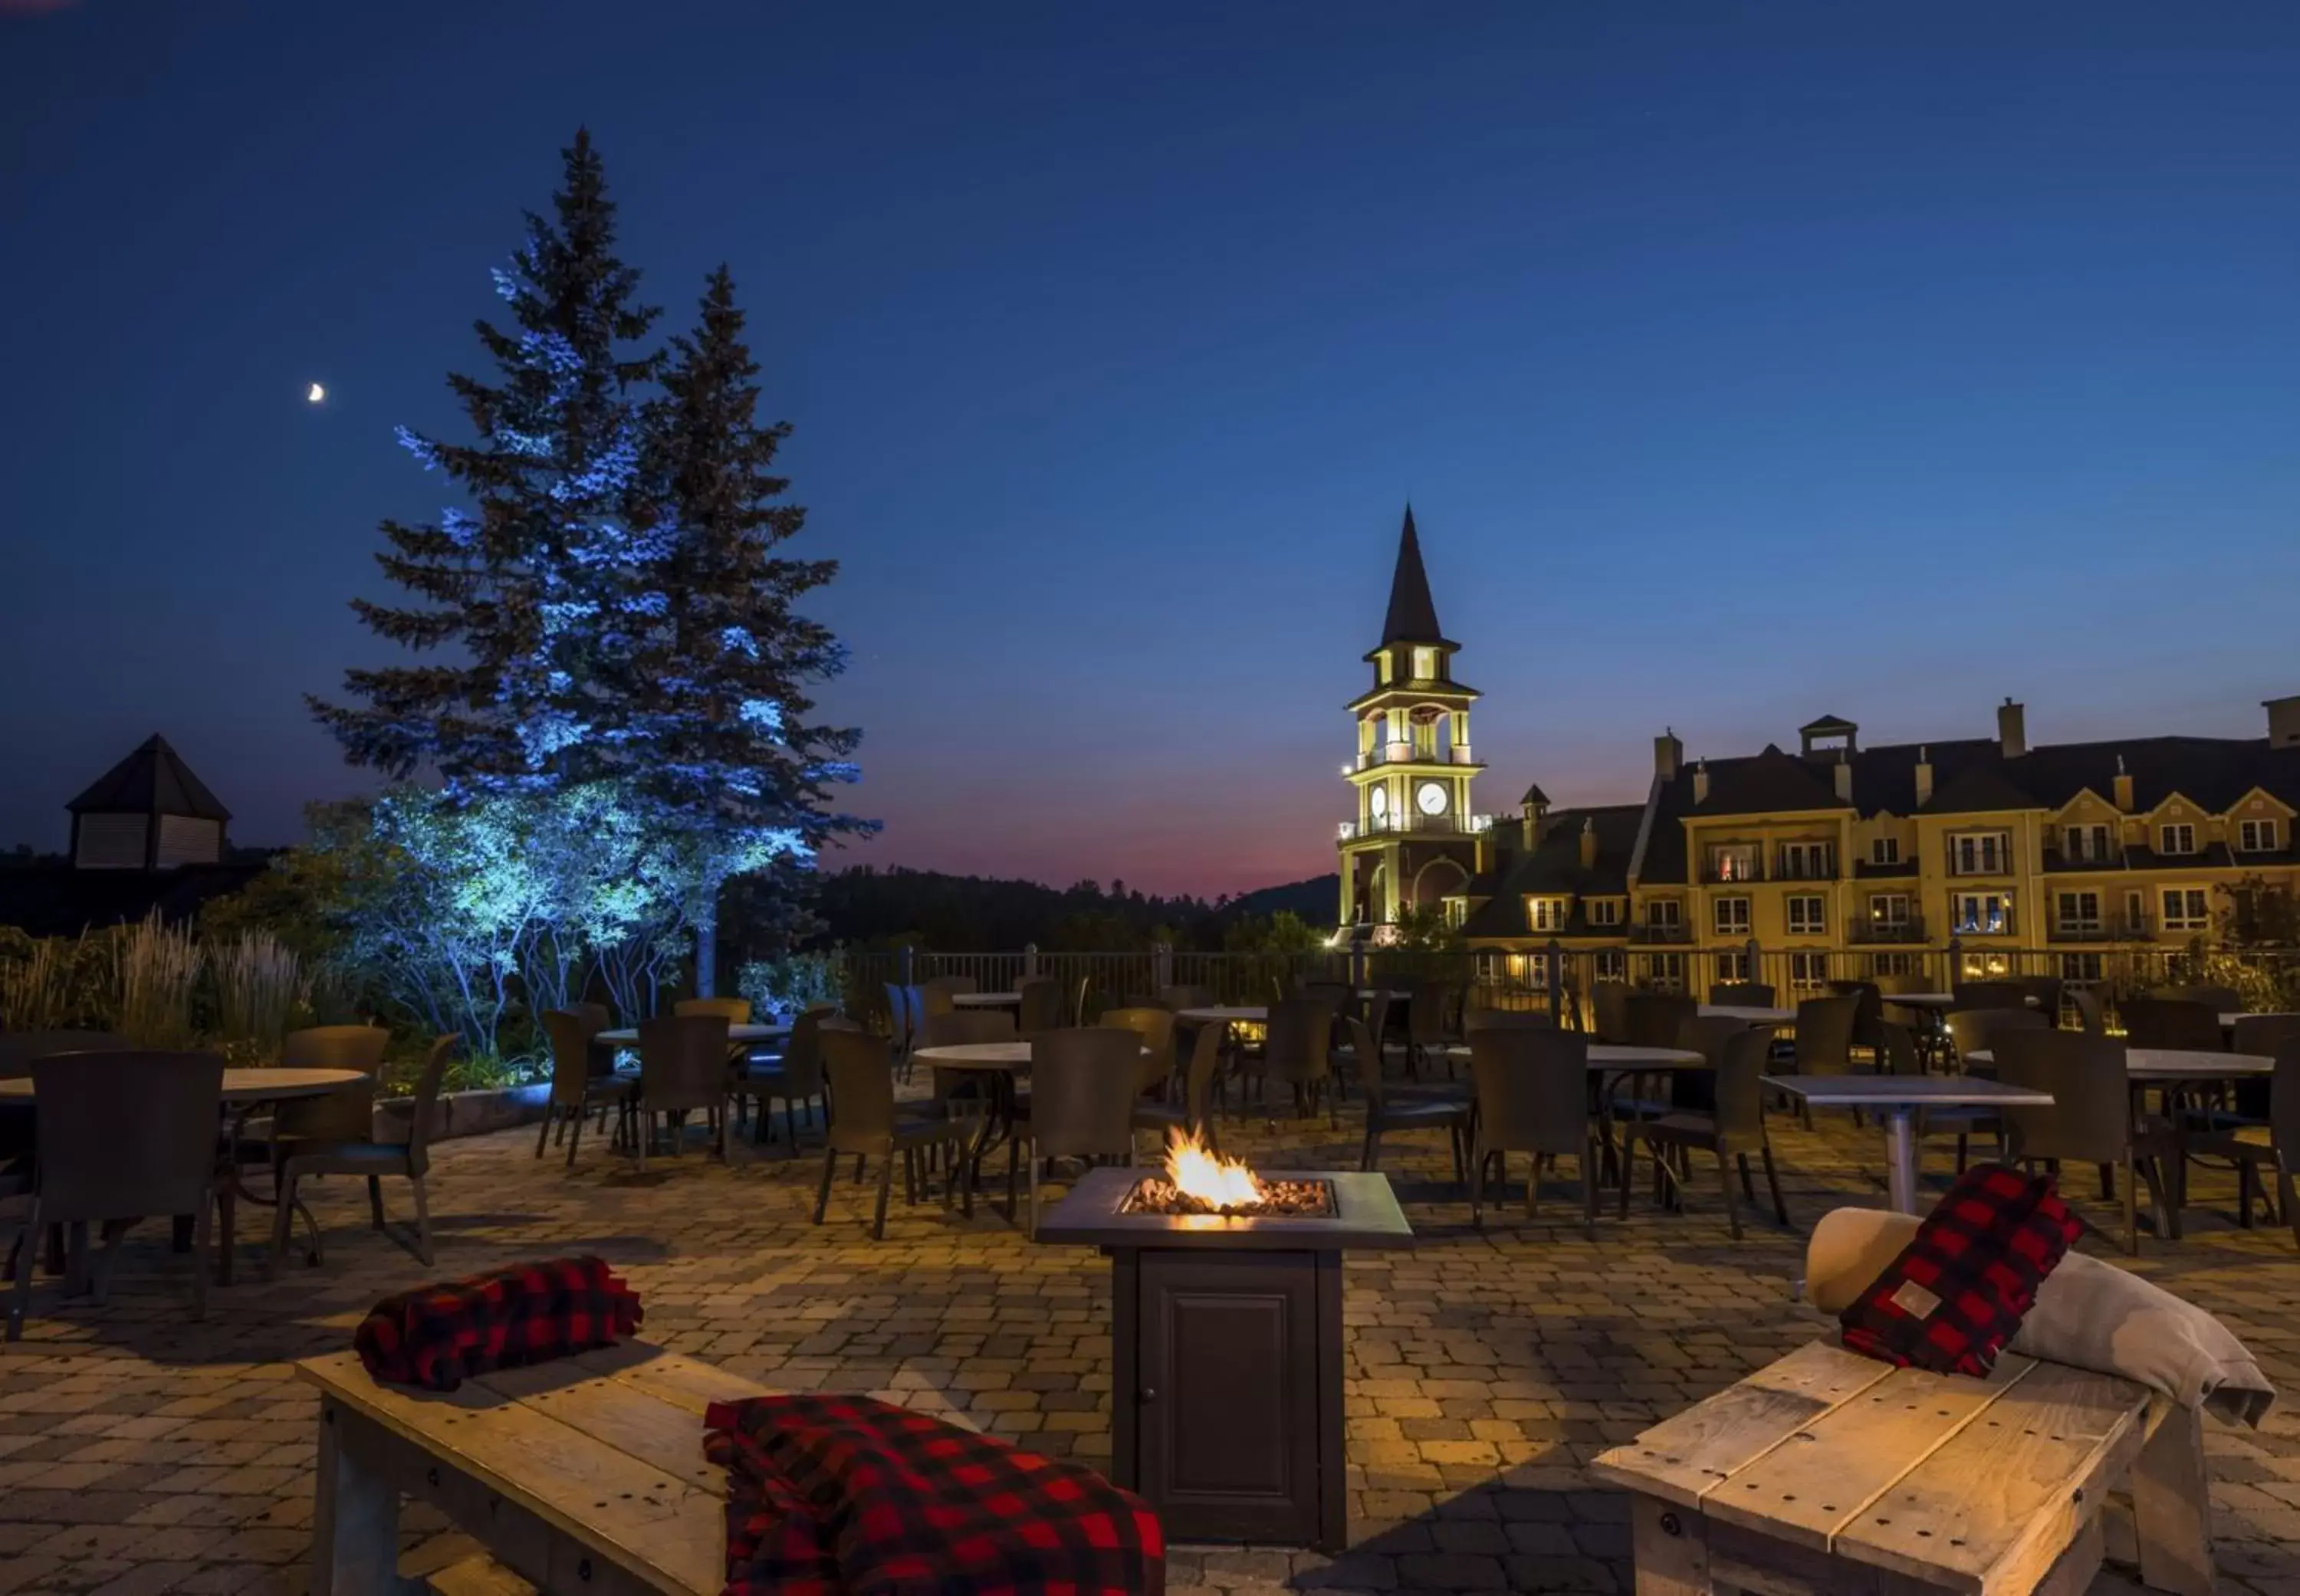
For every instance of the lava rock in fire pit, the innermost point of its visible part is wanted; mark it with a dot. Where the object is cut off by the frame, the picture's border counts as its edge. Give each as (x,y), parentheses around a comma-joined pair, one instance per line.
(1287,1199)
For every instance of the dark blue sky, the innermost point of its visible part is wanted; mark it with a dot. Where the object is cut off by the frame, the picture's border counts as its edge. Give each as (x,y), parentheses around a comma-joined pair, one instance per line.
(1741,362)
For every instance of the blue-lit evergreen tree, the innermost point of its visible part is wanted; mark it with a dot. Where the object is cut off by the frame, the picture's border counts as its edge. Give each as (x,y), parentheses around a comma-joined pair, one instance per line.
(539,591)
(729,755)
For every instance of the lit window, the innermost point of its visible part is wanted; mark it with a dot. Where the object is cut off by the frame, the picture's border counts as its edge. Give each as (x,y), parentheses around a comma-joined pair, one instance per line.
(2187,909)
(1888,909)
(2176,839)
(1731,916)
(1548,914)
(1885,850)
(1980,914)
(1733,861)
(1808,915)
(2256,837)
(1381,665)
(1425,664)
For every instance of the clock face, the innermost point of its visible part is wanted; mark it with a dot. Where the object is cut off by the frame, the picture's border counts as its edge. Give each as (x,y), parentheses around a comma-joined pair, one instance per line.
(1430,796)
(1378,802)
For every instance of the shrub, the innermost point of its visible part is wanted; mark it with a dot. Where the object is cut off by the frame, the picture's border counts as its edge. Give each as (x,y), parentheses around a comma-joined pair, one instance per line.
(785,987)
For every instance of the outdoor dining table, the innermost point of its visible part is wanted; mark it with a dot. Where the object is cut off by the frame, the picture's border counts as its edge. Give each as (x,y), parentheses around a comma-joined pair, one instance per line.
(245,1091)
(986,999)
(1935,999)
(1226,1014)
(742,1035)
(1896,1100)
(1753,1014)
(2171,1065)
(998,1063)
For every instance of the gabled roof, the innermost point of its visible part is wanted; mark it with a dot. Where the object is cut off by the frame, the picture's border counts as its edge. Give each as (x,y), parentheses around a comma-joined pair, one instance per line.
(1827,726)
(1980,789)
(1412,615)
(1555,867)
(154,780)
(1772,783)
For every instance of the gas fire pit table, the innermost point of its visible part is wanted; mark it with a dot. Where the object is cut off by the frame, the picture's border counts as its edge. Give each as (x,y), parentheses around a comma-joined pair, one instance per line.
(1226,1414)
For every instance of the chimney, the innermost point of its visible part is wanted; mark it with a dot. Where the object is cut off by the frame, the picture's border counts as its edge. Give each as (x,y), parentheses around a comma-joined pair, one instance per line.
(1590,842)
(2011,729)
(1843,770)
(1668,753)
(2123,786)
(1924,776)
(2283,721)
(1700,781)
(1535,807)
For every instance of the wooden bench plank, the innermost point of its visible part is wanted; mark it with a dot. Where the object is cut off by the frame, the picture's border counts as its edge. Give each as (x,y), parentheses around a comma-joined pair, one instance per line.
(1683,1459)
(660,1436)
(650,1521)
(1807,1489)
(1992,1508)
(478,1574)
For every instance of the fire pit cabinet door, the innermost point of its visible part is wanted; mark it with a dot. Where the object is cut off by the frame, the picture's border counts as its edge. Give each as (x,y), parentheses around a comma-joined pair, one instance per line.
(1230,1438)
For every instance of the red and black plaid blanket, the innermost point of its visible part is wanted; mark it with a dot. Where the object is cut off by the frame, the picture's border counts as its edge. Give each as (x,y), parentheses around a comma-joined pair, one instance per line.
(435,1335)
(829,1495)
(1960,1289)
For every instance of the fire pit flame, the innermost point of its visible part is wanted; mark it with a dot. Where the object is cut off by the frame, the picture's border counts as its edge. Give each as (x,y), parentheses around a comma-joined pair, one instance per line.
(1219,1183)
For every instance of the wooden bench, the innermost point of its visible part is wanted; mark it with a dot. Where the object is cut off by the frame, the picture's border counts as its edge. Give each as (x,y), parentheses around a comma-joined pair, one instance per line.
(1833,1475)
(586,1473)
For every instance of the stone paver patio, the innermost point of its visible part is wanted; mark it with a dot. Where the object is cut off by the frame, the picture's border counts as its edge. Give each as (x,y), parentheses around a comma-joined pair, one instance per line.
(142,1452)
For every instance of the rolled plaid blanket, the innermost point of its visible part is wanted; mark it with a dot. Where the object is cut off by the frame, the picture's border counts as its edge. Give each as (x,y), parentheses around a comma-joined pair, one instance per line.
(1960,1289)
(837,1494)
(435,1337)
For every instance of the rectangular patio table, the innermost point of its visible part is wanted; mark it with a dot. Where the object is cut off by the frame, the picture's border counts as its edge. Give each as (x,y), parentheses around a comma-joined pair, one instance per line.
(1896,1100)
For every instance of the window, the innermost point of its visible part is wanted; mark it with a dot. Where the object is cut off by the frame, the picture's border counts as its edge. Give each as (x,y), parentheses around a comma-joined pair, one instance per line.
(1733,967)
(1457,911)
(2077,912)
(2136,912)
(1733,861)
(1894,964)
(1664,911)
(1425,664)
(2256,837)
(2187,909)
(1888,909)
(1731,916)
(1885,850)
(1548,913)
(2079,966)
(1806,861)
(1808,915)
(1604,911)
(2084,844)
(1665,972)
(1808,970)
(1381,664)
(2176,839)
(1980,914)
(1612,965)
(1980,854)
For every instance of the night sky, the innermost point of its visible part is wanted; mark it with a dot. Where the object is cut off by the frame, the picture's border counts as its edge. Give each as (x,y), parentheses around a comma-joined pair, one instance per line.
(1741,362)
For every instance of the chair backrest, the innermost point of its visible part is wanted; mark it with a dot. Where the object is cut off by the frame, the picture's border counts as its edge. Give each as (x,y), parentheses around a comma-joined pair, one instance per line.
(1740,1096)
(962,1027)
(1205,1063)
(426,1106)
(1741,994)
(1970,1029)
(2219,999)
(1178,998)
(2284,1100)
(1899,981)
(1707,1035)
(1988,995)
(1377,1017)
(899,1020)
(1480,1019)
(934,1000)
(1652,1018)
(1300,1045)
(1430,1013)
(123,1133)
(2264,1034)
(950,985)
(683,1062)
(1533,1090)
(1609,1007)
(2090,1020)
(1896,1049)
(335,1047)
(1156,1027)
(735,1011)
(1868,1009)
(596,1017)
(570,1056)
(1083,1080)
(1824,1035)
(861,1080)
(2090,1120)
(1370,1079)
(2047,991)
(1041,1007)
(18,1052)
(2172,1022)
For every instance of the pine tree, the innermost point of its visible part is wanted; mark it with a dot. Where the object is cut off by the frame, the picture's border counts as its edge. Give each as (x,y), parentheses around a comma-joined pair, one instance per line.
(545,588)
(720,688)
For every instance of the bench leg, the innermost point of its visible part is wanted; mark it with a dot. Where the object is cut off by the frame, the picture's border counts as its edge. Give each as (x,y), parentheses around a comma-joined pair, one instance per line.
(355,1517)
(1672,1548)
(2172,1507)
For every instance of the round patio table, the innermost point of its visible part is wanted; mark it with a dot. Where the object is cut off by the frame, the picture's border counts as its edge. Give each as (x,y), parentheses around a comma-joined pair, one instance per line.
(999,1062)
(986,999)
(1754,1014)
(244,1089)
(1935,1000)
(629,1036)
(1227,1014)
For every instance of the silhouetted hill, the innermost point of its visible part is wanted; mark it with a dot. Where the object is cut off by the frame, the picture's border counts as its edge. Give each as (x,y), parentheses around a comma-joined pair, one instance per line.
(980,914)
(1313,900)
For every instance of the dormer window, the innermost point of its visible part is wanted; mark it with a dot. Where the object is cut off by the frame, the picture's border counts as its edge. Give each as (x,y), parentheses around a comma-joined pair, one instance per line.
(1425,664)
(2256,837)
(2176,839)
(1548,913)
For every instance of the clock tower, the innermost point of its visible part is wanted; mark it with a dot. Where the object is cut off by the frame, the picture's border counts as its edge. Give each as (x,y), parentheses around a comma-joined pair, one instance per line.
(1414,843)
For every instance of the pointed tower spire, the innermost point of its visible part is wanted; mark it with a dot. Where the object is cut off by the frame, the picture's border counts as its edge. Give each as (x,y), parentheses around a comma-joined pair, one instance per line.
(1413,618)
